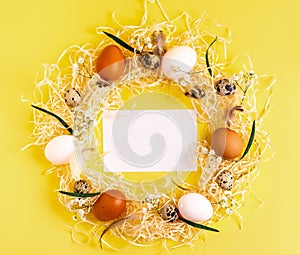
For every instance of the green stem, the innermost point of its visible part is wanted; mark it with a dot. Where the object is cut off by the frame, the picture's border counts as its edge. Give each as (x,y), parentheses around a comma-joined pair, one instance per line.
(197,225)
(79,194)
(207,58)
(55,116)
(251,139)
(122,43)
(109,227)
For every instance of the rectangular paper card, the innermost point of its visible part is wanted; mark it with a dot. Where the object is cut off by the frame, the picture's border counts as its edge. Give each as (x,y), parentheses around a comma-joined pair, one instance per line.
(149,140)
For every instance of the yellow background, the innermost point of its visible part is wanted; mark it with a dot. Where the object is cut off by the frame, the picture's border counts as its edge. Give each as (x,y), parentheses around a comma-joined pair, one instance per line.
(33,32)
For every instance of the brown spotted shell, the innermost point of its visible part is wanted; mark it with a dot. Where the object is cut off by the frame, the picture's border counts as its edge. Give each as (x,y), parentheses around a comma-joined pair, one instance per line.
(150,61)
(225,180)
(72,97)
(225,88)
(82,187)
(169,212)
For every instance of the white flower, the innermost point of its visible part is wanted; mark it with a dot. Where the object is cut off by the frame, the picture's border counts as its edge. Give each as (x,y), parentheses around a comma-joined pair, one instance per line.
(75,70)
(75,66)
(212,152)
(183,83)
(80,60)
(228,210)
(205,150)
(223,204)
(147,39)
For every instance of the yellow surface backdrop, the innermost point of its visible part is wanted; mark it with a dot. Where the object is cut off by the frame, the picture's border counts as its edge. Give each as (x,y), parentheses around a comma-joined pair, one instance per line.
(33,32)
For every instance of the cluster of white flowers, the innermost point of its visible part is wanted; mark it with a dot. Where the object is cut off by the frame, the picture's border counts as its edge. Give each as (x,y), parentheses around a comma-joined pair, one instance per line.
(141,43)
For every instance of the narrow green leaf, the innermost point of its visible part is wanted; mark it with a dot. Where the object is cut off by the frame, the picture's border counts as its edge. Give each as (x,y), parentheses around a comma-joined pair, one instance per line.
(55,116)
(251,139)
(207,58)
(110,226)
(176,184)
(197,225)
(122,43)
(79,194)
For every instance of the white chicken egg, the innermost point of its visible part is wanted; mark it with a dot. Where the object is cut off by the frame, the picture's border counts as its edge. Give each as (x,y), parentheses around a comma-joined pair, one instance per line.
(195,207)
(178,61)
(60,149)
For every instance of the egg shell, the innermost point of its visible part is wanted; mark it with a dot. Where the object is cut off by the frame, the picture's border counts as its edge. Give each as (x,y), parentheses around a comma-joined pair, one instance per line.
(225,180)
(82,187)
(60,149)
(195,207)
(227,143)
(72,97)
(109,205)
(169,213)
(178,58)
(111,63)
(225,88)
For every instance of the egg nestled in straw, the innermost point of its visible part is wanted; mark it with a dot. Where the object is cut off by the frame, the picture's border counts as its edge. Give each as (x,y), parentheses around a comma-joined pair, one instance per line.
(109,205)
(178,61)
(227,143)
(60,149)
(110,64)
(195,207)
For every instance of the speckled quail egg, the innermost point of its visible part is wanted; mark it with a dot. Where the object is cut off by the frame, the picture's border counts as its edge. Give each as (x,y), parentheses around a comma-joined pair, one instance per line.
(225,180)
(72,97)
(150,61)
(169,212)
(225,88)
(82,187)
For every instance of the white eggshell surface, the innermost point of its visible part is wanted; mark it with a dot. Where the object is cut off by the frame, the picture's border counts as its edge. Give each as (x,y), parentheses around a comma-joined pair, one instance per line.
(195,207)
(178,61)
(60,149)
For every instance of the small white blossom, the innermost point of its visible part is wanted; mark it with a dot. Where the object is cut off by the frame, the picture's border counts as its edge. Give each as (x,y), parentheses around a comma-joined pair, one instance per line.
(75,66)
(223,204)
(147,39)
(75,70)
(205,150)
(228,210)
(183,83)
(80,60)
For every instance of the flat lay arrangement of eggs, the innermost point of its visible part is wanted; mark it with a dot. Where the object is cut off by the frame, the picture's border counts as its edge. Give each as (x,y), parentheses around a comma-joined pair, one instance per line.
(174,64)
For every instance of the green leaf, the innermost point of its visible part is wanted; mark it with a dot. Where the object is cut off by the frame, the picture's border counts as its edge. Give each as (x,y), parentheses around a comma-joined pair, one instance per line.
(197,225)
(55,116)
(79,194)
(207,59)
(176,184)
(122,43)
(251,139)
(109,227)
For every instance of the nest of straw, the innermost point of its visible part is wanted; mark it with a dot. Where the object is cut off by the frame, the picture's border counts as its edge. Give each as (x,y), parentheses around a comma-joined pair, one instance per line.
(76,68)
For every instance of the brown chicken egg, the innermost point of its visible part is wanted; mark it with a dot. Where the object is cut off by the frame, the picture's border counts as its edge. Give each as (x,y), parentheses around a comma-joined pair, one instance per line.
(111,63)
(227,143)
(109,205)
